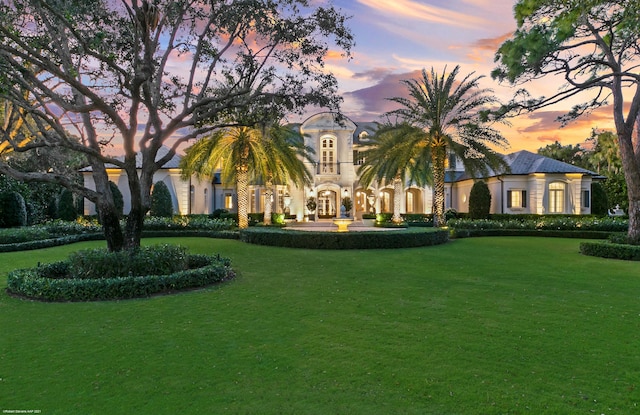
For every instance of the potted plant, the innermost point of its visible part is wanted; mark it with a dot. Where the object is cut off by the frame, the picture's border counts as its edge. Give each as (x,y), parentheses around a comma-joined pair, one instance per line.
(348,204)
(311,207)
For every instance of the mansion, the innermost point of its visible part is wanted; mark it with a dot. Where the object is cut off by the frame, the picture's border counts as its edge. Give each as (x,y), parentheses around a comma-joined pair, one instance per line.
(535,184)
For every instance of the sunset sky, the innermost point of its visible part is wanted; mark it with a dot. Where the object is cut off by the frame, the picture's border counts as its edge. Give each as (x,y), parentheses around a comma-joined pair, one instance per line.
(396,39)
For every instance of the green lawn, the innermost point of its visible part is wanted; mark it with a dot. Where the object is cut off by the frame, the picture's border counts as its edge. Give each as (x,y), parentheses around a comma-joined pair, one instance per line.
(477,326)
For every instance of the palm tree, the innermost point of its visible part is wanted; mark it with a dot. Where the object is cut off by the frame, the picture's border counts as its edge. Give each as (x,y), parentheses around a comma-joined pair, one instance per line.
(454,118)
(605,156)
(395,156)
(244,154)
(235,150)
(285,150)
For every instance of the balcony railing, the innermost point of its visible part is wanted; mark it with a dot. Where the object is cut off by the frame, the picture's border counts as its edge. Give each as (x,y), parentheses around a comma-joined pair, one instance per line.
(328,168)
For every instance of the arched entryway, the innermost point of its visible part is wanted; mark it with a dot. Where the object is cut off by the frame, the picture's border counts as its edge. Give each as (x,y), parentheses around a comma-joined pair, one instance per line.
(364,201)
(413,201)
(386,200)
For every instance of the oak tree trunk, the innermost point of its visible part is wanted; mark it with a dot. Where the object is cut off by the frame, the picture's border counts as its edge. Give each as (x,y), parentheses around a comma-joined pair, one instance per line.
(631,166)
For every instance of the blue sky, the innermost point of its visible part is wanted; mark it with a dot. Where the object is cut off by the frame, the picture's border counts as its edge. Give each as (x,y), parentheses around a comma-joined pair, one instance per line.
(395,39)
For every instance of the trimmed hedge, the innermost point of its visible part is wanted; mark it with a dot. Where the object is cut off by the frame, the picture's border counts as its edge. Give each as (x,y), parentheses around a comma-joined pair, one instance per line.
(550,233)
(45,283)
(66,240)
(406,238)
(48,243)
(550,222)
(58,232)
(611,250)
(23,234)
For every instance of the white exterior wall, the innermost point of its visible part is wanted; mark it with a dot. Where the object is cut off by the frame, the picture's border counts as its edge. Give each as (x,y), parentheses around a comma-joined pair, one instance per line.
(460,195)
(178,188)
(189,196)
(537,197)
(497,196)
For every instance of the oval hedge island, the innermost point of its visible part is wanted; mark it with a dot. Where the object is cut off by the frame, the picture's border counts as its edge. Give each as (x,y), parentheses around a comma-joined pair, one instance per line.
(309,239)
(95,275)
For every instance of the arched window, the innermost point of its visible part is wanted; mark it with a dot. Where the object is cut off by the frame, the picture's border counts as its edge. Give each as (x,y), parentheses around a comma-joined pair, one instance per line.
(413,200)
(327,156)
(386,200)
(556,197)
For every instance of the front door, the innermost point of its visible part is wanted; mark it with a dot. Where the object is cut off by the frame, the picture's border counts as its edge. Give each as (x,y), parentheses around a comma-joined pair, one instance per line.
(327,204)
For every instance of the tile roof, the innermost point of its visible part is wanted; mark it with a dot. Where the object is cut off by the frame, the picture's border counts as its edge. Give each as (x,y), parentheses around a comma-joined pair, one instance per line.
(524,163)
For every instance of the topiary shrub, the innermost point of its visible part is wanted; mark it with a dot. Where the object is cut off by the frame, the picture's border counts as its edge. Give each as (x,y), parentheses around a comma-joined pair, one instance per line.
(599,200)
(479,201)
(52,208)
(347,203)
(66,206)
(118,200)
(13,211)
(161,204)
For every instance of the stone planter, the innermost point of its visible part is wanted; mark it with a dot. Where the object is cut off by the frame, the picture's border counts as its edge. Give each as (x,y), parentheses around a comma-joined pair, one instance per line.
(369,222)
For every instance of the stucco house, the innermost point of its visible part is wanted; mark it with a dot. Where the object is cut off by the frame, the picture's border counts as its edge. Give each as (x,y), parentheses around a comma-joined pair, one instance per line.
(535,184)
(188,196)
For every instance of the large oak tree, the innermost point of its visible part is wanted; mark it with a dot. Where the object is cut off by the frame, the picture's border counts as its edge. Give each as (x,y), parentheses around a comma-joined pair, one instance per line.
(143,74)
(594,46)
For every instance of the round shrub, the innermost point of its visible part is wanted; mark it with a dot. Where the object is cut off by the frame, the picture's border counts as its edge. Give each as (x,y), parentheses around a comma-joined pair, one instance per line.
(13,211)
(479,201)
(161,204)
(66,206)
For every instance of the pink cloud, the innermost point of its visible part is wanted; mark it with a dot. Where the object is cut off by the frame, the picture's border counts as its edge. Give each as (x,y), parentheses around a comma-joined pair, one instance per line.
(374,100)
(491,44)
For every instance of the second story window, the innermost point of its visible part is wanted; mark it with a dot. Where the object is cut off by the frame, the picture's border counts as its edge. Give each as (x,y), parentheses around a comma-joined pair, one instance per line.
(327,156)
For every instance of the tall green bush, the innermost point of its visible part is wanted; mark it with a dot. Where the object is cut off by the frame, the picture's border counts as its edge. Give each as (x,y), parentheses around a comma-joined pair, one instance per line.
(161,204)
(479,201)
(118,200)
(13,211)
(599,199)
(66,206)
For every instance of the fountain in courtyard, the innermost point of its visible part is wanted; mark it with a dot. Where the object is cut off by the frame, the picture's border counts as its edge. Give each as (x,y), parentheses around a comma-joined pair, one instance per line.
(343,221)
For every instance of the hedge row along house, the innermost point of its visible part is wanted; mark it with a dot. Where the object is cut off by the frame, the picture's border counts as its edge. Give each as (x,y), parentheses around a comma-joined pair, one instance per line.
(535,184)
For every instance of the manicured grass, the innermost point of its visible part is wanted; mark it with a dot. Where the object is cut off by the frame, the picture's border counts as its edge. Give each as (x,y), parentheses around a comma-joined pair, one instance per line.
(489,325)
